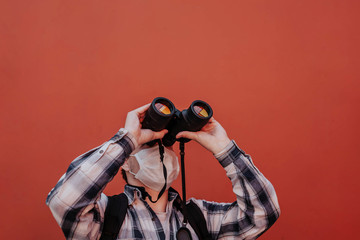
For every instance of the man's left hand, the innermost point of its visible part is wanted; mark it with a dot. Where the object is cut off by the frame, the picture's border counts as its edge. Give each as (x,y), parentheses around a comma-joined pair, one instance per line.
(212,136)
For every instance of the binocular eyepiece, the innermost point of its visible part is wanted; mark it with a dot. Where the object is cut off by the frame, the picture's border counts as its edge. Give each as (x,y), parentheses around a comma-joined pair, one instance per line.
(162,114)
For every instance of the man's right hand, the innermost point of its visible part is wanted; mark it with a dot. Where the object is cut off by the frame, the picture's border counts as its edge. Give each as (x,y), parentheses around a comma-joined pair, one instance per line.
(133,125)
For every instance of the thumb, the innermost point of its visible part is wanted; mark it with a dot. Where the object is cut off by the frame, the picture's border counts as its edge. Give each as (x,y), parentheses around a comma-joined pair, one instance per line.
(187,134)
(161,134)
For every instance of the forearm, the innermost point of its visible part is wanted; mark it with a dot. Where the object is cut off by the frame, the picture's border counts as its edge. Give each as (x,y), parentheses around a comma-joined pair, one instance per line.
(79,189)
(256,198)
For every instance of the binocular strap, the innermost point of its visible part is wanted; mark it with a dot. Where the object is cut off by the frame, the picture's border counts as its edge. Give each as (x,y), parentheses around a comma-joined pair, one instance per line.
(161,150)
(182,154)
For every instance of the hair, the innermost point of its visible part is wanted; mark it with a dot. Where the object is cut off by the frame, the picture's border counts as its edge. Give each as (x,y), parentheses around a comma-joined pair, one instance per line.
(123,173)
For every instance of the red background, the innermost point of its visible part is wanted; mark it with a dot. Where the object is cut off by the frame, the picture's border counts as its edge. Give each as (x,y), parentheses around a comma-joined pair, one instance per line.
(282,78)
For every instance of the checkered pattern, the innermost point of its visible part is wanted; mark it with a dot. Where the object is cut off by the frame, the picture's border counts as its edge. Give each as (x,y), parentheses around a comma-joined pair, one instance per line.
(78,204)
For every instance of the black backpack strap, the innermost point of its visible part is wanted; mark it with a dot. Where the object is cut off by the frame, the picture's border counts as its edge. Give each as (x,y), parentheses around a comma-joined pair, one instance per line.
(114,216)
(197,221)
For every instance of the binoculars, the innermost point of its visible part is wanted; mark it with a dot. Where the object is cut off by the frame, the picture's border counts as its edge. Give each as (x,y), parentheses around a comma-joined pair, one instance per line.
(162,114)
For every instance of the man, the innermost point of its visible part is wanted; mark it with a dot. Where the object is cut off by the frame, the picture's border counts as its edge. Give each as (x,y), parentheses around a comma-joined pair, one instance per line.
(78,204)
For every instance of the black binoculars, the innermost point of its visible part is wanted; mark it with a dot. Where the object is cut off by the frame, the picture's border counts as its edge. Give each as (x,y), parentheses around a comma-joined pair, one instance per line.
(162,114)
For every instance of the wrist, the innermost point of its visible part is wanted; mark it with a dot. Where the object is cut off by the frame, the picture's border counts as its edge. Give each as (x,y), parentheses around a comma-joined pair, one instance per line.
(221,147)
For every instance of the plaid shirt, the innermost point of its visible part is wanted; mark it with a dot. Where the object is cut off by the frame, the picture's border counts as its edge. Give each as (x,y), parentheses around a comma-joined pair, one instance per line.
(78,204)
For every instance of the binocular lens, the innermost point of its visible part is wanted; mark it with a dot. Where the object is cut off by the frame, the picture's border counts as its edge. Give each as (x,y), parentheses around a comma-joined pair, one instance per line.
(159,114)
(201,111)
(162,108)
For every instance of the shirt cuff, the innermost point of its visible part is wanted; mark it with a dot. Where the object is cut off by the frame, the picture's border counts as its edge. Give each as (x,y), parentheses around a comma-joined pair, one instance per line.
(126,135)
(131,137)
(228,154)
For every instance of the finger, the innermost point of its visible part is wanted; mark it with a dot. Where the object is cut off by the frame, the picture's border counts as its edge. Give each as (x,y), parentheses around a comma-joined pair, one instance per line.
(186,134)
(141,118)
(208,127)
(142,115)
(212,120)
(142,110)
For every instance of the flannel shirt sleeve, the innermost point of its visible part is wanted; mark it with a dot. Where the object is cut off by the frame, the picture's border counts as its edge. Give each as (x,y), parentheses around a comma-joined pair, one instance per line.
(256,207)
(77,202)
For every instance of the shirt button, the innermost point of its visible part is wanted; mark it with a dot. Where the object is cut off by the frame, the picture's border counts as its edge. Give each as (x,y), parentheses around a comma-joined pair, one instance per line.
(101,151)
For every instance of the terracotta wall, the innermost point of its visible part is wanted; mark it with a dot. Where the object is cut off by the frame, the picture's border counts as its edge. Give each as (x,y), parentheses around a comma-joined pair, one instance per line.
(282,77)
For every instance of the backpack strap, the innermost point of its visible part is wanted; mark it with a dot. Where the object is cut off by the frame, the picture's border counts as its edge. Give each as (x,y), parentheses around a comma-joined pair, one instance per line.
(197,221)
(114,216)
(116,211)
